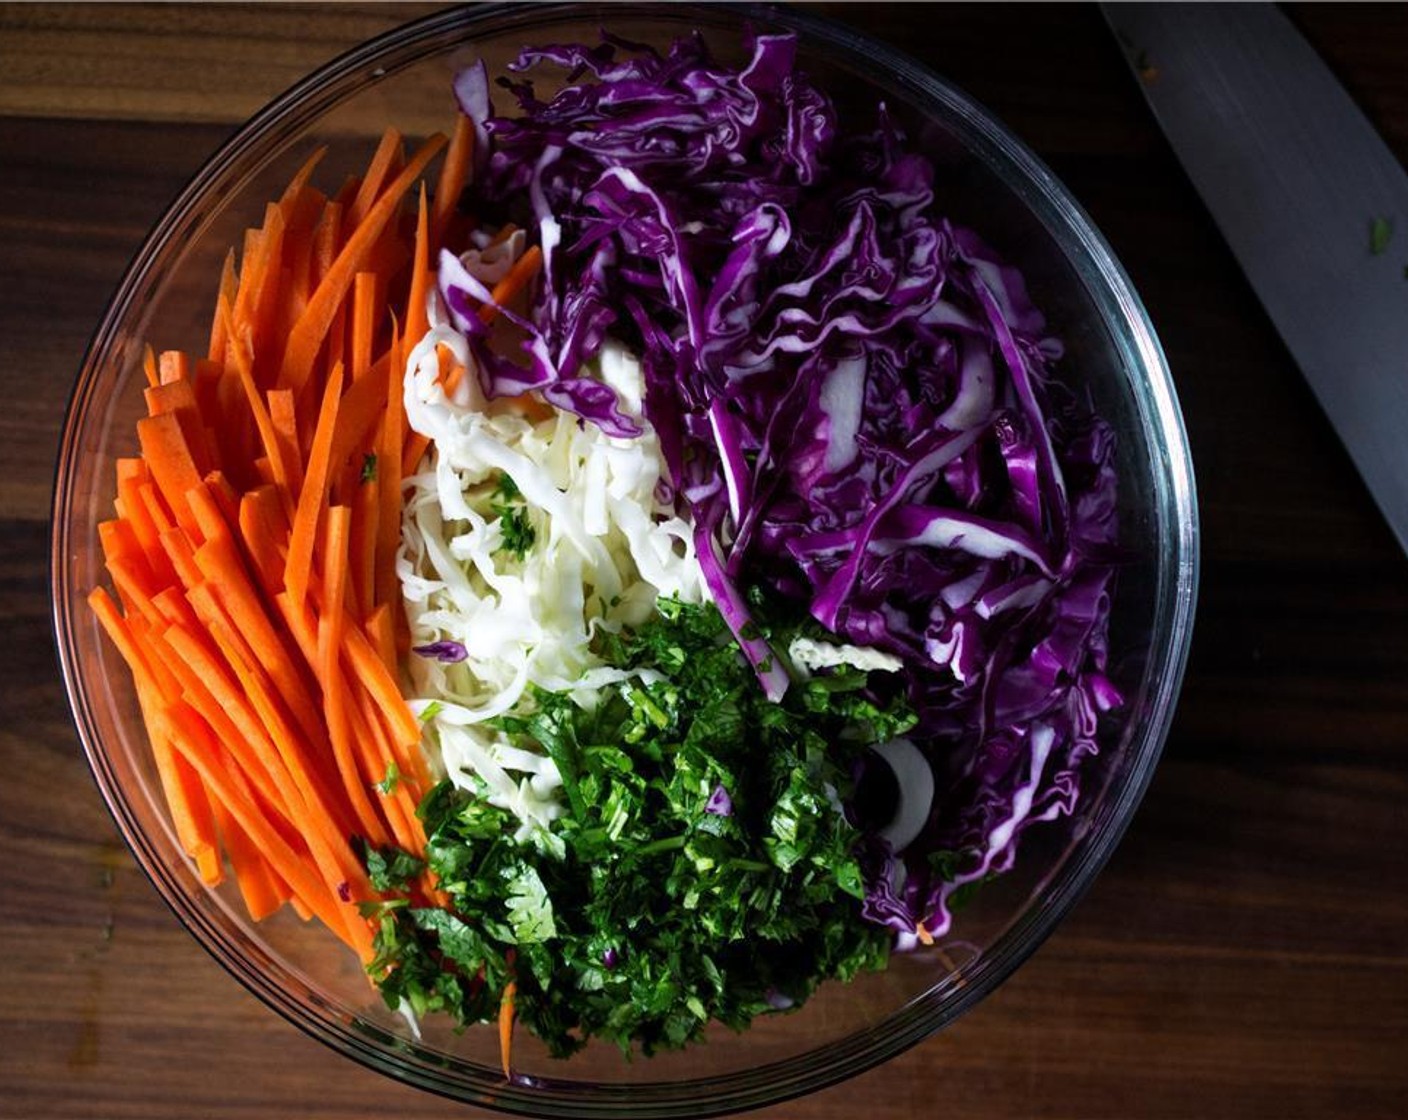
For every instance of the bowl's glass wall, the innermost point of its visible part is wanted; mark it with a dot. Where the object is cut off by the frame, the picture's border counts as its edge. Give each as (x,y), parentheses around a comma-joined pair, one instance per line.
(987,180)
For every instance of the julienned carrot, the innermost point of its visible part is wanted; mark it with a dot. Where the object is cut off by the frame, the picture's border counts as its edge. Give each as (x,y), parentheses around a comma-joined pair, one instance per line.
(389,474)
(417,317)
(306,338)
(195,743)
(175,610)
(381,684)
(253,554)
(506,1027)
(255,296)
(169,459)
(389,156)
(454,175)
(228,290)
(366,509)
(314,493)
(330,629)
(382,635)
(283,415)
(262,889)
(515,280)
(247,750)
(362,405)
(177,546)
(259,517)
(190,811)
(364,305)
(269,437)
(300,179)
(309,796)
(244,609)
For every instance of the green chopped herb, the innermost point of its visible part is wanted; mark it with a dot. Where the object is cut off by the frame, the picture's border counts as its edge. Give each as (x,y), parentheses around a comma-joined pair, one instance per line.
(368,468)
(431,710)
(1380,234)
(391,869)
(387,786)
(514,524)
(649,916)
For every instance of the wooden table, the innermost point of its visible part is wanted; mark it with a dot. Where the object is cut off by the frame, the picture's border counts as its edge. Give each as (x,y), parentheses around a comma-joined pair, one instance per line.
(1245,953)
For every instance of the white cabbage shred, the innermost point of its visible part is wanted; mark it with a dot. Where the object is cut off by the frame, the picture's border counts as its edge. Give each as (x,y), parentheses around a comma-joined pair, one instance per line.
(604,549)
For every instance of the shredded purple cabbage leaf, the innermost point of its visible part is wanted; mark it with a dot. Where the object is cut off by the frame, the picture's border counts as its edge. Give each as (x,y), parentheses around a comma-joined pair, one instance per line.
(855,399)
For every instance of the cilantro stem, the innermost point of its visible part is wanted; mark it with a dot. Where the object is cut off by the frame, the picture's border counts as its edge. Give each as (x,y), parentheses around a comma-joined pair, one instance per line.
(668,844)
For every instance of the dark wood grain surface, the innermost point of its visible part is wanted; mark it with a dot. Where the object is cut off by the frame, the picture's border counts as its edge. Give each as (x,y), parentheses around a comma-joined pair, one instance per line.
(1246,951)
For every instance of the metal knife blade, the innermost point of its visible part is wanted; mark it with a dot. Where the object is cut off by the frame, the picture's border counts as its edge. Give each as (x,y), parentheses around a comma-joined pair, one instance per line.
(1295,177)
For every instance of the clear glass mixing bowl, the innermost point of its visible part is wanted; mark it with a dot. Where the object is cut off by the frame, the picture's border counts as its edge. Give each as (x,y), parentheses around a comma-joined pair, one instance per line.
(990,181)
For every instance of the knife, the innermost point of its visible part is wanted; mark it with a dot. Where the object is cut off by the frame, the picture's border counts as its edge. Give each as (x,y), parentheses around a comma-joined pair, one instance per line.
(1308,196)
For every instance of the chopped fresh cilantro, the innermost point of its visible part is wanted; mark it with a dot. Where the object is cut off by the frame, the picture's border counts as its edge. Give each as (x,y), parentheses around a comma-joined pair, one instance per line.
(368,468)
(431,710)
(517,530)
(391,869)
(655,914)
(387,786)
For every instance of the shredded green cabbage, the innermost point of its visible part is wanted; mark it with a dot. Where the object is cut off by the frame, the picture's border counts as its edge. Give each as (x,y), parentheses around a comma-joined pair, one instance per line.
(520,540)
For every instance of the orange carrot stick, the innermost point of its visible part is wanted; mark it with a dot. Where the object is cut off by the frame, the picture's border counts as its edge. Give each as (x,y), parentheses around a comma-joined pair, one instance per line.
(515,280)
(306,338)
(389,474)
(267,734)
(190,812)
(365,292)
(377,680)
(258,412)
(454,176)
(196,745)
(313,494)
(422,278)
(211,687)
(149,366)
(229,288)
(240,603)
(382,634)
(389,155)
(355,781)
(169,459)
(301,177)
(173,366)
(262,889)
(357,413)
(284,418)
(506,1027)
(258,318)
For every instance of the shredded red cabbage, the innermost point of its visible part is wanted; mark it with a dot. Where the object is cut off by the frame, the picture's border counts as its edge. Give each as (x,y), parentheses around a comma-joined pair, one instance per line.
(855,399)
